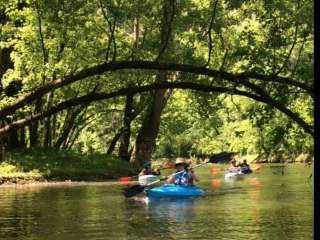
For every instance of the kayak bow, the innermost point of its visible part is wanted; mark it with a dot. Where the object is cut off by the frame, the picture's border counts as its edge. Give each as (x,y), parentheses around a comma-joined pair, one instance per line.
(173,190)
(147,179)
(233,175)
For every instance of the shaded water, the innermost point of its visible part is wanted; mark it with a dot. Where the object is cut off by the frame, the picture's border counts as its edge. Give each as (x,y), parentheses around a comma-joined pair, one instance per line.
(265,205)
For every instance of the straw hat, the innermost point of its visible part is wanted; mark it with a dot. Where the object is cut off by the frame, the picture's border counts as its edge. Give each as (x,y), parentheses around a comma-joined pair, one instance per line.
(180,160)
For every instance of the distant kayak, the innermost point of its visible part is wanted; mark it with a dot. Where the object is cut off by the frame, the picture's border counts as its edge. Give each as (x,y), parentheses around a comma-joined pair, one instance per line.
(147,179)
(173,190)
(234,175)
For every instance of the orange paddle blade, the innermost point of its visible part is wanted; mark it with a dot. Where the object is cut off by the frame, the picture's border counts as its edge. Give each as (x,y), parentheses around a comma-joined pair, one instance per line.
(125,179)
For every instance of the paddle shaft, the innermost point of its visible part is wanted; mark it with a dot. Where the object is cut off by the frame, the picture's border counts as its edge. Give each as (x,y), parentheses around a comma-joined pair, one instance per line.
(154,182)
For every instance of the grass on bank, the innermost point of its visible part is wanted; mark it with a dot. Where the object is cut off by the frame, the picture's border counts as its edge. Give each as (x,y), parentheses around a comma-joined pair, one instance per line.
(51,164)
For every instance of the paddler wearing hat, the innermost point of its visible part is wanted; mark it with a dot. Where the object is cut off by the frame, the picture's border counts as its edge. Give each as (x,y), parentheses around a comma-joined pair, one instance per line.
(185,176)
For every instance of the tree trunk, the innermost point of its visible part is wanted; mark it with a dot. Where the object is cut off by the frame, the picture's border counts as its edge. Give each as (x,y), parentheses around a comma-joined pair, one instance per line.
(22,138)
(148,132)
(54,128)
(126,133)
(113,142)
(5,60)
(128,112)
(34,127)
(47,143)
(13,139)
(70,120)
(5,63)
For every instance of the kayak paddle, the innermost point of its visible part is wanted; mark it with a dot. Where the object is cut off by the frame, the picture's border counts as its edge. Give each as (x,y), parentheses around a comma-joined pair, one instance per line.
(136,189)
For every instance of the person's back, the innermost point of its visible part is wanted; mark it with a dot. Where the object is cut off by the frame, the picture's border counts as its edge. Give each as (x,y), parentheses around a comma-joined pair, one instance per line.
(245,168)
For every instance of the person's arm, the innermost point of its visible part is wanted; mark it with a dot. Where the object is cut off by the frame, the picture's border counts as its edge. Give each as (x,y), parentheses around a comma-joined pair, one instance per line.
(193,175)
(143,171)
(170,179)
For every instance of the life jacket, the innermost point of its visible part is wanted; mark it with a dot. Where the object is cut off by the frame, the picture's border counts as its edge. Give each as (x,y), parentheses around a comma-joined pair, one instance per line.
(233,169)
(183,179)
(147,171)
(245,169)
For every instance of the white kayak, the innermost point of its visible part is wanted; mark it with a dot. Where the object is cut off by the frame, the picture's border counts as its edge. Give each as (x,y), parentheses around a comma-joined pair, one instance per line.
(147,179)
(234,175)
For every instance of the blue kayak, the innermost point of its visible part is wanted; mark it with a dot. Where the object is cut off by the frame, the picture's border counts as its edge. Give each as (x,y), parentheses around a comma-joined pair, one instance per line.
(173,190)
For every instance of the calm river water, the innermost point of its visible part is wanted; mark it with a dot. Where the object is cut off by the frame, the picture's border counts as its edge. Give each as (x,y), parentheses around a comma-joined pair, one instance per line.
(273,203)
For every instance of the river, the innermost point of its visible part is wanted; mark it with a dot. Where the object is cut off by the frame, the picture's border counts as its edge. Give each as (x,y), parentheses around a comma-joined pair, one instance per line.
(273,203)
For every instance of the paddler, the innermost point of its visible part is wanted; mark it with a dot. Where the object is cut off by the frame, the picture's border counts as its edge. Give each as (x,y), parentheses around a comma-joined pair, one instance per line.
(233,166)
(147,170)
(245,168)
(185,176)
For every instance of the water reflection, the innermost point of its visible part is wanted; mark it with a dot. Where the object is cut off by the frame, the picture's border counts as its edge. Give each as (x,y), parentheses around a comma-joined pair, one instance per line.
(171,209)
(215,182)
(159,218)
(263,206)
(232,179)
(177,209)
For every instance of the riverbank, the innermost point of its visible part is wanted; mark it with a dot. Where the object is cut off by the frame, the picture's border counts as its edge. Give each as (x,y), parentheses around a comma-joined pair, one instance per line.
(25,167)
(44,183)
(14,181)
(66,167)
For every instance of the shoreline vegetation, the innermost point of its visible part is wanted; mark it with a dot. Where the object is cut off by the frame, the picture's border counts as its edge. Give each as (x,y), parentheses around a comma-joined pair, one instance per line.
(39,165)
(51,167)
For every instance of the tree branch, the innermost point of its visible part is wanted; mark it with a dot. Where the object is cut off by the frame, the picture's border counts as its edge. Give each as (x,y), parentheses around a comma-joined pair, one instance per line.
(111,34)
(290,51)
(86,99)
(167,28)
(44,51)
(209,32)
(146,65)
